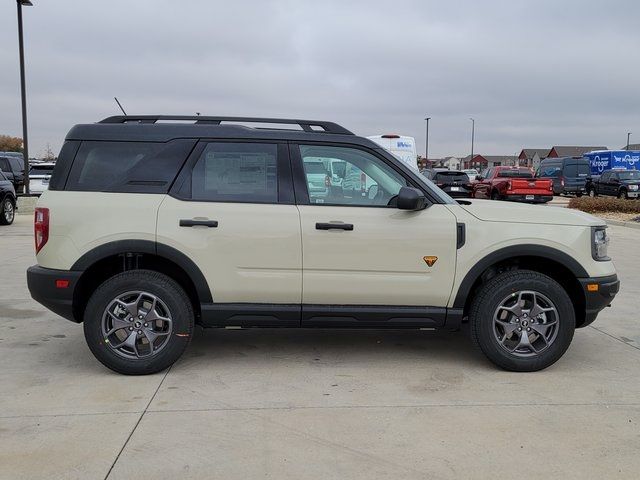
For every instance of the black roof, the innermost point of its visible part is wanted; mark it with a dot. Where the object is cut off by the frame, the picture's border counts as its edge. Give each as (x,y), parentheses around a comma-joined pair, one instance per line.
(161,128)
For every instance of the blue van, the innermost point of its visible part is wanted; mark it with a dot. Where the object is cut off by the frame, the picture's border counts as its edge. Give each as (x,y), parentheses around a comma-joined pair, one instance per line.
(569,175)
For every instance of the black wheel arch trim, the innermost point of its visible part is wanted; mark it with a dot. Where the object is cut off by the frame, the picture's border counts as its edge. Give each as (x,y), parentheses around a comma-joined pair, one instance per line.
(153,248)
(514,251)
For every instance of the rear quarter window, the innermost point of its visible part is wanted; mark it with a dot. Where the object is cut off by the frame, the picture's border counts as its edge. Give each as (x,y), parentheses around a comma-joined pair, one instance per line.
(127,167)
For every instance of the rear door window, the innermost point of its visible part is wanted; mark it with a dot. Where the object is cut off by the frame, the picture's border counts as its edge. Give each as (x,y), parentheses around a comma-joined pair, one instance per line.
(576,170)
(128,167)
(4,165)
(235,172)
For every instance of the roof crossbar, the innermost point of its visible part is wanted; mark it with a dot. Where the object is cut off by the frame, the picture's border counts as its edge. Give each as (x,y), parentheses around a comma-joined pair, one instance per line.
(306,125)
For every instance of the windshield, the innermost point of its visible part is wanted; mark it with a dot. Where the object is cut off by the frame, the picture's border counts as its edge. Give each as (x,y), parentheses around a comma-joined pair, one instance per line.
(515,173)
(629,175)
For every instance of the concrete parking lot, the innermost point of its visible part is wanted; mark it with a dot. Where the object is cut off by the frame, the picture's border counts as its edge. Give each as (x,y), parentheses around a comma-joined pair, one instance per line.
(316,403)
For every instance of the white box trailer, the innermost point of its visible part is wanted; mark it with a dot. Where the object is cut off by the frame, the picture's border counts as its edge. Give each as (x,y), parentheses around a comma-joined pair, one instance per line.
(401,146)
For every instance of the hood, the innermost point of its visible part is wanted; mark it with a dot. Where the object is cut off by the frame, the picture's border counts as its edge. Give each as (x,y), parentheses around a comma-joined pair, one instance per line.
(512,212)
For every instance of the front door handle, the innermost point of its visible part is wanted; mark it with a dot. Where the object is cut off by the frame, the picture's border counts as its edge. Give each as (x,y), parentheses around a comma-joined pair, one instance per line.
(334,226)
(188,222)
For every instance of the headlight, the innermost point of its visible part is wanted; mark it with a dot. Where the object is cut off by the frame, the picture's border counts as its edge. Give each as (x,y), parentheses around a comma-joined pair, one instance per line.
(599,243)
(633,187)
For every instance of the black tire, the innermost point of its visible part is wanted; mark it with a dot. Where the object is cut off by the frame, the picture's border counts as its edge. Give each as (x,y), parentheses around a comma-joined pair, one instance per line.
(485,305)
(592,192)
(495,195)
(578,194)
(7,211)
(168,292)
(622,193)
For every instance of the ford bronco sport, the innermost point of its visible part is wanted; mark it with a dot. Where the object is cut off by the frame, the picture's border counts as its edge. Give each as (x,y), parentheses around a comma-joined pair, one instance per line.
(152,225)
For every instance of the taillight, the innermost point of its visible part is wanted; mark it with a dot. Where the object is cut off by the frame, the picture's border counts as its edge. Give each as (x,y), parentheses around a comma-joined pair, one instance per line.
(562,181)
(363,182)
(41,227)
(327,181)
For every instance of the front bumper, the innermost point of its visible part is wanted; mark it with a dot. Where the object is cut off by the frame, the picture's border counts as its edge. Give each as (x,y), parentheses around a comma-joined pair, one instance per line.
(599,293)
(53,289)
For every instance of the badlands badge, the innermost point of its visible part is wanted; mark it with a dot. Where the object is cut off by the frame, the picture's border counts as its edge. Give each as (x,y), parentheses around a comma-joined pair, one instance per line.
(430,260)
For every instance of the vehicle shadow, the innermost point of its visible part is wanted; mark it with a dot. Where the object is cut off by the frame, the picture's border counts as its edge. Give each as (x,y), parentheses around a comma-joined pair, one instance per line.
(332,345)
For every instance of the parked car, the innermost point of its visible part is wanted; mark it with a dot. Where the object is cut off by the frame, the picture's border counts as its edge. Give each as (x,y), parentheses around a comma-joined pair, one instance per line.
(39,176)
(7,200)
(454,182)
(569,175)
(13,168)
(512,183)
(616,183)
(160,226)
(472,173)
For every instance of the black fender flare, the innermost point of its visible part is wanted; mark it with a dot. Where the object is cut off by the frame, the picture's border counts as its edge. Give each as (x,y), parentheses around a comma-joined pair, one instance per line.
(526,250)
(153,248)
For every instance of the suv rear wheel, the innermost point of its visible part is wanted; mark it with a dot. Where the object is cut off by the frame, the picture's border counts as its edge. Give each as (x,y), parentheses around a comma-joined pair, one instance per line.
(7,211)
(138,322)
(522,320)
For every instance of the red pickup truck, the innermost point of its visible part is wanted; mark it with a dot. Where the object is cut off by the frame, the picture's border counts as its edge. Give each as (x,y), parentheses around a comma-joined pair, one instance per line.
(512,183)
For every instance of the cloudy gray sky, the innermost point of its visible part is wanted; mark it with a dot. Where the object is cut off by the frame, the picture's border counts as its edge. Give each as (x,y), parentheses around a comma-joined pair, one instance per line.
(532,73)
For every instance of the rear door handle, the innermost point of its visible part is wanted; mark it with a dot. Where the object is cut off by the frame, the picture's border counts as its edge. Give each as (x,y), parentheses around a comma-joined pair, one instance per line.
(187,222)
(334,226)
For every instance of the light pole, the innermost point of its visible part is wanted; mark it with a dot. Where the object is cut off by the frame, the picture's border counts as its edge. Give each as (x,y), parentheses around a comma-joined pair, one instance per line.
(426,148)
(25,150)
(473,133)
(628,135)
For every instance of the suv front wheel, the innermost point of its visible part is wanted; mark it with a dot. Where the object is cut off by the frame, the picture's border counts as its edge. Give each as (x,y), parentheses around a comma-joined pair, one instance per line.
(138,322)
(522,320)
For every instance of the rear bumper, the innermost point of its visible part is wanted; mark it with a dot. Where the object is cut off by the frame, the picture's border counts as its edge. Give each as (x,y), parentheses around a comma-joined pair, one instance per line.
(458,194)
(573,189)
(46,286)
(537,198)
(599,297)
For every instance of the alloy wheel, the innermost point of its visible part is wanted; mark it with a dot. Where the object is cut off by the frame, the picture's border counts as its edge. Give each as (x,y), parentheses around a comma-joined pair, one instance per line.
(136,325)
(8,210)
(525,323)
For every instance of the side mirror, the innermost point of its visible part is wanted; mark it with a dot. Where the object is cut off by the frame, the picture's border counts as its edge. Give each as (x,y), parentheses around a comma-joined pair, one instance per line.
(410,198)
(479,178)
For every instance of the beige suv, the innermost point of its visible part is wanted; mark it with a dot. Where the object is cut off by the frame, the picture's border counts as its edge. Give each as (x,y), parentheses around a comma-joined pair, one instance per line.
(152,224)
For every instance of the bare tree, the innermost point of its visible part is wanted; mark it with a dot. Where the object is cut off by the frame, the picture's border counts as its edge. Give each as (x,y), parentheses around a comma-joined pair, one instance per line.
(10,144)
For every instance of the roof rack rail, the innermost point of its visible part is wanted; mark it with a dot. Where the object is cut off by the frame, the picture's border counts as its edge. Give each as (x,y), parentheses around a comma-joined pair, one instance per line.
(306,125)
